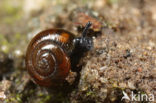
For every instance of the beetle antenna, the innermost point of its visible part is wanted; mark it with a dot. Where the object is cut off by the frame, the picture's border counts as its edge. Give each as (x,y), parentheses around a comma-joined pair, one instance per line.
(88,25)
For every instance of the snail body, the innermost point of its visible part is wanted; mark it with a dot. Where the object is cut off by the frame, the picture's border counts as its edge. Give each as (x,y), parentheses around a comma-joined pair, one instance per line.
(48,55)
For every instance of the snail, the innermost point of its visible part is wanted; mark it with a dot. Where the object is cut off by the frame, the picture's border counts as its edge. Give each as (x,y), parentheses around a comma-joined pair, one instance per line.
(48,56)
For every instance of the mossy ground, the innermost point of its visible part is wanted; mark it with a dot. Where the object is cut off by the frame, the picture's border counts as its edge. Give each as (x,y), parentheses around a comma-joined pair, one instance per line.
(123,57)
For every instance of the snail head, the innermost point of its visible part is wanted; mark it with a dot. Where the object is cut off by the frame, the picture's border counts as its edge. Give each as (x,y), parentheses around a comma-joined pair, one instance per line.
(84,43)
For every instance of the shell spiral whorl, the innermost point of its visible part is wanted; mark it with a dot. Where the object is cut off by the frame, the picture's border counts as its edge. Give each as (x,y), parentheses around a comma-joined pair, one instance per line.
(46,59)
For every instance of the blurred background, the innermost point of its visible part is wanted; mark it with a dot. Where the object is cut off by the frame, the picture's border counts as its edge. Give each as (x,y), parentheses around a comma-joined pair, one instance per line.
(121,29)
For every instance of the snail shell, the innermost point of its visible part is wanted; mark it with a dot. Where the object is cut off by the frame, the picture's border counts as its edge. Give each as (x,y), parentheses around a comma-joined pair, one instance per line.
(47,56)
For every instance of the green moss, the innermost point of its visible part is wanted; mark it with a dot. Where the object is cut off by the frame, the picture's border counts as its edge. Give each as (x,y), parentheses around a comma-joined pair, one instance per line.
(31,91)
(18,36)
(45,99)
(4,44)
(11,19)
(90,93)
(3,40)
(40,94)
(112,1)
(7,100)
(10,12)
(86,2)
(12,99)
(18,98)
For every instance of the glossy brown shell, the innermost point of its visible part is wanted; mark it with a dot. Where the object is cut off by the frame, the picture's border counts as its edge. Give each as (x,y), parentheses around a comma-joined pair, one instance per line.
(47,56)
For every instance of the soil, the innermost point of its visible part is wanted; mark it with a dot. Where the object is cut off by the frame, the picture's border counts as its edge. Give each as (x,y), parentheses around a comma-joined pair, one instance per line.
(123,58)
